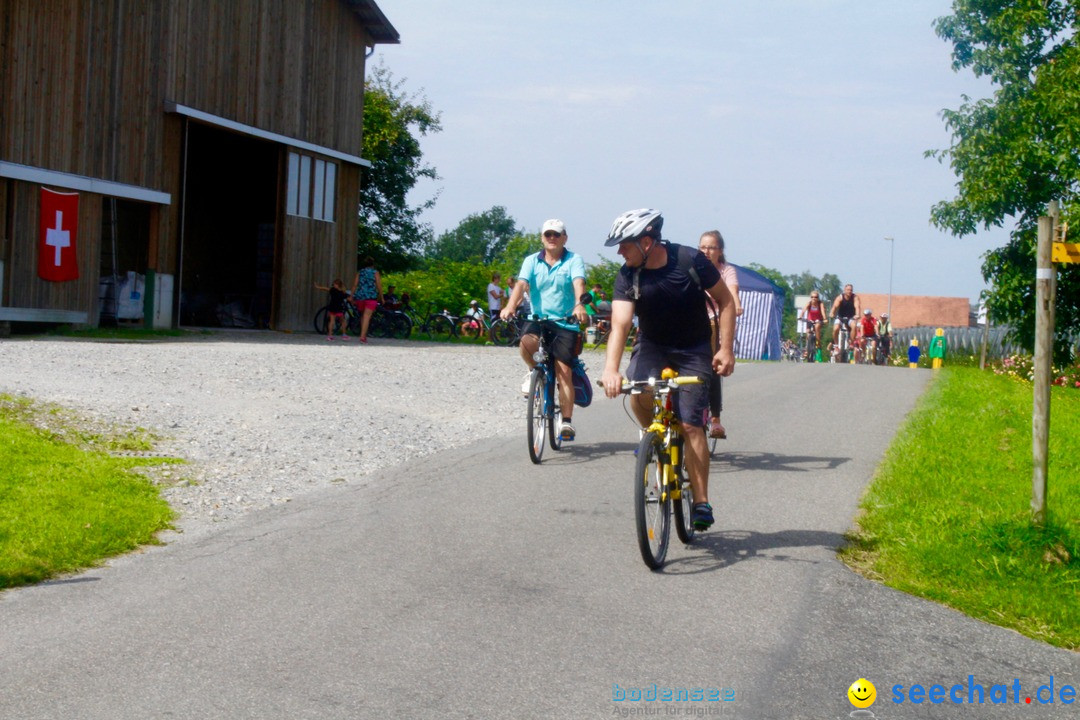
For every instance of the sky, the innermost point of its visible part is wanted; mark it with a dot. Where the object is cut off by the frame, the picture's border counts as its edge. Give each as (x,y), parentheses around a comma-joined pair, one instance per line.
(795,127)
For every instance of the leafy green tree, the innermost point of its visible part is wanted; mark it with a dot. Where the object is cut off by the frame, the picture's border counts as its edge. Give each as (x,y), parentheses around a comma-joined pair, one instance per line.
(389,227)
(788,327)
(481,237)
(516,250)
(1020,149)
(828,285)
(443,284)
(603,272)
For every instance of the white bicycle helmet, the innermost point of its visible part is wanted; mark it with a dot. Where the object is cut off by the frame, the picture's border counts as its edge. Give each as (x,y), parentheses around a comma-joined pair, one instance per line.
(634,225)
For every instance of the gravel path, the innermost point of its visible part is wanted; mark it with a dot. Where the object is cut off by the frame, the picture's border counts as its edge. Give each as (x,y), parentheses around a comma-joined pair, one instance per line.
(263,417)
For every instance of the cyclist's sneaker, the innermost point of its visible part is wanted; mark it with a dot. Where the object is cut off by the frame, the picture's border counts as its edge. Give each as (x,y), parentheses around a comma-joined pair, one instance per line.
(363,339)
(329,337)
(716,430)
(702,516)
(525,384)
(566,431)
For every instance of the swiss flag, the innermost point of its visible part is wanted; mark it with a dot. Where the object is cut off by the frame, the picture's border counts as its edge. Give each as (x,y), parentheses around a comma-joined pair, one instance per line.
(57,230)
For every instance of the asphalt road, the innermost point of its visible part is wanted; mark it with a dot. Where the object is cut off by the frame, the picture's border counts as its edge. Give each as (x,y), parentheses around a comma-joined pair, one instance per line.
(476,585)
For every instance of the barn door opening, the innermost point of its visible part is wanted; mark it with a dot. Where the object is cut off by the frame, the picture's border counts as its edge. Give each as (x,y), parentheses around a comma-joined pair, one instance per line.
(230,203)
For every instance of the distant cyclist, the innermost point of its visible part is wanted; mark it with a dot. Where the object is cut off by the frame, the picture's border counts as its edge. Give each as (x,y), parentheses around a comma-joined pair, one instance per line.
(665,285)
(884,331)
(555,279)
(868,333)
(814,315)
(845,308)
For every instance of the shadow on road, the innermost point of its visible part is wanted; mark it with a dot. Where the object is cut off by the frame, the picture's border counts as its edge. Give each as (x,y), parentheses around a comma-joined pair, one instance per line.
(723,462)
(573,453)
(716,550)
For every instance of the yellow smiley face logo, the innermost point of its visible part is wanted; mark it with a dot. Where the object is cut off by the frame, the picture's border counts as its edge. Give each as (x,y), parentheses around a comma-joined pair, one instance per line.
(862,693)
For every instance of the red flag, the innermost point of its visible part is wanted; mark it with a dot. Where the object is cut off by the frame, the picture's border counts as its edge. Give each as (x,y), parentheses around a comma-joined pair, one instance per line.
(57,231)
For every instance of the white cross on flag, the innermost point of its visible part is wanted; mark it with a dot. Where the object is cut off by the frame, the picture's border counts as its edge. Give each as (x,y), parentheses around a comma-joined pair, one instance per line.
(58,227)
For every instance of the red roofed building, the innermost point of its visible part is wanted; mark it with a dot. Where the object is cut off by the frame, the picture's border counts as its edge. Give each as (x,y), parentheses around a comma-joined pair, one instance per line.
(915,310)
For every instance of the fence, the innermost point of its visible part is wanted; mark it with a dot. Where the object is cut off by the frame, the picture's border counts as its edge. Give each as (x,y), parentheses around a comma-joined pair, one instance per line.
(965,340)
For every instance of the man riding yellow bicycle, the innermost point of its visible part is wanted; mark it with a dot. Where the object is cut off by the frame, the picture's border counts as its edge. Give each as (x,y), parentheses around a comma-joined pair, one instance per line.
(665,285)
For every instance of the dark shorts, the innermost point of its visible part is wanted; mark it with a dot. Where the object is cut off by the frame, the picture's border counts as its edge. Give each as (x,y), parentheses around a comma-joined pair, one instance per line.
(649,359)
(562,343)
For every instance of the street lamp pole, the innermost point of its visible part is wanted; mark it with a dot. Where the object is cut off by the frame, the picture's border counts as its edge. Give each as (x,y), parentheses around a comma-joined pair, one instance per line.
(892,245)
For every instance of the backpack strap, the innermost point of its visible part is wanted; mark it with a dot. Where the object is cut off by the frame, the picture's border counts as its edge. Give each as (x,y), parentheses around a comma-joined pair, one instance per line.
(685,261)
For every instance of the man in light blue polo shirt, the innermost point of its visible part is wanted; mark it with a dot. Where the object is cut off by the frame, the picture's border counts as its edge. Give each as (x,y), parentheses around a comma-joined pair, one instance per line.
(555,280)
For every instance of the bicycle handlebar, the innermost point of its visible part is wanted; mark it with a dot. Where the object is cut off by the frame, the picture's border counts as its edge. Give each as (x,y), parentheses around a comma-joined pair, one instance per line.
(551,318)
(634,387)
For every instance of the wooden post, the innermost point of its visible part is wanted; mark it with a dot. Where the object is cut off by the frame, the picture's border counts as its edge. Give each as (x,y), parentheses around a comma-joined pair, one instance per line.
(986,333)
(1044,349)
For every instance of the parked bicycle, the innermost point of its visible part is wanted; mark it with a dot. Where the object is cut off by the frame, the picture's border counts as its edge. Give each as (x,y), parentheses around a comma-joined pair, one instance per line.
(660,478)
(441,325)
(507,332)
(544,416)
(384,323)
(474,326)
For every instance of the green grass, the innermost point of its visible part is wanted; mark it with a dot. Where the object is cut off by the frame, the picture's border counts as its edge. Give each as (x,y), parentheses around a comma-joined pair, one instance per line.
(947,516)
(63,505)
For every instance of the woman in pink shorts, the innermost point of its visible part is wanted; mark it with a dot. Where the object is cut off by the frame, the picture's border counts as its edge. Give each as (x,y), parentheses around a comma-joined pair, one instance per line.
(367,294)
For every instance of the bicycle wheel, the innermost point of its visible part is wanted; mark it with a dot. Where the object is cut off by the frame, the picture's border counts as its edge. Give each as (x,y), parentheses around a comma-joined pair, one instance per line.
(440,326)
(320,321)
(471,330)
(684,507)
(354,321)
(554,415)
(811,345)
(503,333)
(652,507)
(401,325)
(535,416)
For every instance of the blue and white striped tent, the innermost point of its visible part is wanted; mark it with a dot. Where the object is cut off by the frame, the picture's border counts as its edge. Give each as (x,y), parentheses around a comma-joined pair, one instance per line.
(757,330)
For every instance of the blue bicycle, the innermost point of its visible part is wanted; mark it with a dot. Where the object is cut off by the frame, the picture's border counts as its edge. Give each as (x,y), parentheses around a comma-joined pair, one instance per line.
(544,414)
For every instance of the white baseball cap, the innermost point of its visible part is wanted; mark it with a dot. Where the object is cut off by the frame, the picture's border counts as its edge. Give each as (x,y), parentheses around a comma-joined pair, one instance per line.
(553,224)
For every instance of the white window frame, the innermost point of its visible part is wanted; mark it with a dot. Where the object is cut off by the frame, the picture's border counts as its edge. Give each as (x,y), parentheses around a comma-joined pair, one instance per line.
(311,186)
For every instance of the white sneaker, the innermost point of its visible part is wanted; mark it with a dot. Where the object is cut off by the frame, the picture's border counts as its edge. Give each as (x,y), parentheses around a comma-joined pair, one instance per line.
(567,431)
(525,384)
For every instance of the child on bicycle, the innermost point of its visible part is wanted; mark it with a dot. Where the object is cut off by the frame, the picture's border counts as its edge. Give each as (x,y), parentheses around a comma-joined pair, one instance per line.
(335,307)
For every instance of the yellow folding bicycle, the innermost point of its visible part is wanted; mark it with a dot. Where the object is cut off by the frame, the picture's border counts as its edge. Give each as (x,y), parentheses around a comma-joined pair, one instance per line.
(660,478)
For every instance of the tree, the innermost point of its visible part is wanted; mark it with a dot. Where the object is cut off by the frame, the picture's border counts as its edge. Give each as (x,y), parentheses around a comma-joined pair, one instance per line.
(828,285)
(604,272)
(1020,149)
(390,229)
(516,250)
(787,322)
(481,237)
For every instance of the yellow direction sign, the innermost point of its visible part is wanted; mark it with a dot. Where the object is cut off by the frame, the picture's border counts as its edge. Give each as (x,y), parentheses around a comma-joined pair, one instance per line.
(1065,252)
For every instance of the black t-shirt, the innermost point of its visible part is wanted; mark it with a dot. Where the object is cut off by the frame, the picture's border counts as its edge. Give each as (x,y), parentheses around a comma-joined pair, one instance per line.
(336,301)
(846,308)
(671,309)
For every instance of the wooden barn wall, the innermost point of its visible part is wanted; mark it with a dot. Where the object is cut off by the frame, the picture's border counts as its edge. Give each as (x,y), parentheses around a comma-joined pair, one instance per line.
(82,91)
(294,68)
(27,289)
(314,251)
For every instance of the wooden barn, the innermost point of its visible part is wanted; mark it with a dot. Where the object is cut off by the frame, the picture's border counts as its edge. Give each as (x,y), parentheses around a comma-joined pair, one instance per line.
(180,162)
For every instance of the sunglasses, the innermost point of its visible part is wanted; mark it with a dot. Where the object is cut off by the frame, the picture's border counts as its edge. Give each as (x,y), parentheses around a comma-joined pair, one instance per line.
(707,248)
(552,234)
